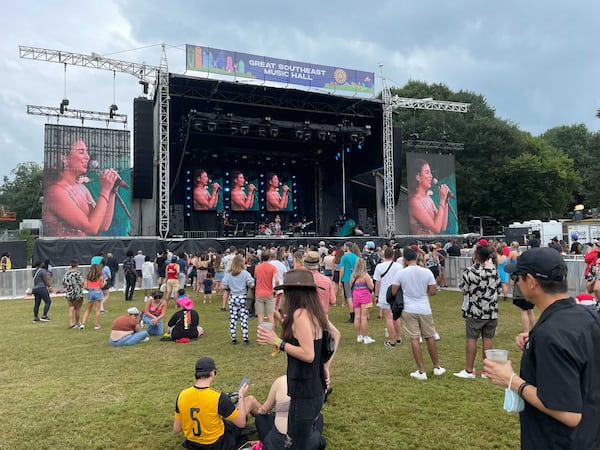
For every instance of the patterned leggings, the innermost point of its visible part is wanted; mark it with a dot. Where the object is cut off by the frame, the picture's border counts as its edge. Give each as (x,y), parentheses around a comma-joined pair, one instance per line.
(238,311)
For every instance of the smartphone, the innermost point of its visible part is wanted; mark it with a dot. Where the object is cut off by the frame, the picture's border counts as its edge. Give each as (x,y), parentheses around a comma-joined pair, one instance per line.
(246,380)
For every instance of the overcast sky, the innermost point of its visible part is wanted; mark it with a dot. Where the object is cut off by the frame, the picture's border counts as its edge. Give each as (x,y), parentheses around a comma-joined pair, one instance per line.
(535,62)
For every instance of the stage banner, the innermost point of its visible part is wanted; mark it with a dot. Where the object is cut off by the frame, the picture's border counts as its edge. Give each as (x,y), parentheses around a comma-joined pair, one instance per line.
(431,181)
(87,175)
(245,65)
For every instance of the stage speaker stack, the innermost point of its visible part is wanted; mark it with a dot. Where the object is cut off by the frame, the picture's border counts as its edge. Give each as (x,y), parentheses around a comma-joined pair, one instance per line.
(176,220)
(143,149)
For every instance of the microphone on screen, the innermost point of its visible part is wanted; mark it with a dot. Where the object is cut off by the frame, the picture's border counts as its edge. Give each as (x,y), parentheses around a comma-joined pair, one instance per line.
(95,165)
(435,183)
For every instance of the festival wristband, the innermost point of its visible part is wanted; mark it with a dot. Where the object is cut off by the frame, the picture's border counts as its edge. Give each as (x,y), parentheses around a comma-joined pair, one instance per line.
(522,387)
(278,342)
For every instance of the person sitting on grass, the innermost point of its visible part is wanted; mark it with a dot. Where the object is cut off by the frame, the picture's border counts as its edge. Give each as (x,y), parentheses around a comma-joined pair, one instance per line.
(183,325)
(154,312)
(126,330)
(208,418)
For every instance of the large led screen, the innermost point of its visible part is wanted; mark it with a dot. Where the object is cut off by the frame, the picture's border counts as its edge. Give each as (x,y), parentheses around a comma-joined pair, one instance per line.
(86,178)
(431,181)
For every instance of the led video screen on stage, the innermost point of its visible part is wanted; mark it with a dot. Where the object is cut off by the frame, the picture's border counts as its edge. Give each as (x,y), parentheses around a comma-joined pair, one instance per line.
(431,181)
(86,182)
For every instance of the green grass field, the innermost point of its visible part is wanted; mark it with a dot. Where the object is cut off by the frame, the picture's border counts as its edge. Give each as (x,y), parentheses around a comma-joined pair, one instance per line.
(64,388)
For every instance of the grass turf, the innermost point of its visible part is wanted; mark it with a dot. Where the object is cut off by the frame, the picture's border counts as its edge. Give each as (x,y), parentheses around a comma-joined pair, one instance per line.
(64,388)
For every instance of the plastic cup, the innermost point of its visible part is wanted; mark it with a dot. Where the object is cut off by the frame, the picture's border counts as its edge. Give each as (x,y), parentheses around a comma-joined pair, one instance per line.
(497,355)
(266,326)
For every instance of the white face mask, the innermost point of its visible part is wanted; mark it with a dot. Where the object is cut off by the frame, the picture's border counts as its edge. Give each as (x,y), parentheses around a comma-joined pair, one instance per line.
(513,402)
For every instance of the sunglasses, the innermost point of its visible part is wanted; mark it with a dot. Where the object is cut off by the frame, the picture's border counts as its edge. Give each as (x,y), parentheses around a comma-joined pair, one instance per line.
(515,276)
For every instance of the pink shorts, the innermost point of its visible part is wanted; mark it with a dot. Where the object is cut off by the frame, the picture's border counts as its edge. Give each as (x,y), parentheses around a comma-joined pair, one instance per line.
(361,296)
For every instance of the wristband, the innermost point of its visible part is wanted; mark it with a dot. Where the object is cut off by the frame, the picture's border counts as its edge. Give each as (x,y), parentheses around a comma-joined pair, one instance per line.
(522,387)
(103,196)
(277,342)
(282,346)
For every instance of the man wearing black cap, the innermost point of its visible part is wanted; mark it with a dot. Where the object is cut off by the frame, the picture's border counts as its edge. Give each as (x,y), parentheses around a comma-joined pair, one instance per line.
(208,418)
(560,362)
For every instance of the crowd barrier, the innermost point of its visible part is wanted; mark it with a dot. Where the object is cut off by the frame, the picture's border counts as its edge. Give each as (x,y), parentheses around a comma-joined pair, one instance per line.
(14,283)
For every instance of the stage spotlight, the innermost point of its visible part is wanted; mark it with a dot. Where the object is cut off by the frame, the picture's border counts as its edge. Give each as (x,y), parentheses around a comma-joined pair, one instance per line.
(367,130)
(197,125)
(111,110)
(233,129)
(353,137)
(274,132)
(262,132)
(299,134)
(307,135)
(244,129)
(414,136)
(211,126)
(268,119)
(144,86)
(322,135)
(332,137)
(63,105)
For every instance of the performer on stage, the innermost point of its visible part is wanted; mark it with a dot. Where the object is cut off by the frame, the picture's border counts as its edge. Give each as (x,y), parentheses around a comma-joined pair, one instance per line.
(424,217)
(203,198)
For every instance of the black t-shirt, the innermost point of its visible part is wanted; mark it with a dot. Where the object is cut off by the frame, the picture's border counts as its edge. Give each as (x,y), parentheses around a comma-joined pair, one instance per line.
(562,360)
(454,250)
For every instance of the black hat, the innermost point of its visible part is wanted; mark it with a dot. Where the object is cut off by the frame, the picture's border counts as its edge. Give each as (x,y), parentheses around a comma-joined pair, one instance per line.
(205,365)
(543,263)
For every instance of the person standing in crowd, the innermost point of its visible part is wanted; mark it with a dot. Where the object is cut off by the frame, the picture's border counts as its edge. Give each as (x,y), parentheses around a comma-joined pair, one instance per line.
(275,200)
(424,217)
(203,199)
(130,275)
(502,260)
(5,263)
(208,418)
(139,262)
(454,249)
(69,209)
(161,267)
(42,281)
(184,324)
(265,277)
(96,259)
(73,284)
(93,283)
(240,200)
(172,273)
(441,256)
(182,261)
(576,248)
(558,379)
(385,272)
(153,314)
(302,341)
(347,263)
(362,300)
(147,278)
(479,285)
(235,285)
(126,330)
(113,265)
(207,285)
(418,284)
(277,259)
(106,285)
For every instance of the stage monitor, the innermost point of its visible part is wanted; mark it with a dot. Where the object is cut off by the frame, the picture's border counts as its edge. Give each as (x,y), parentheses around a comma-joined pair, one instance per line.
(86,178)
(431,181)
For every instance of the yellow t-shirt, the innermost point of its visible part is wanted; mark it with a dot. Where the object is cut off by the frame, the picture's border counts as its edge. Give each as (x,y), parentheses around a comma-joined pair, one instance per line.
(201,412)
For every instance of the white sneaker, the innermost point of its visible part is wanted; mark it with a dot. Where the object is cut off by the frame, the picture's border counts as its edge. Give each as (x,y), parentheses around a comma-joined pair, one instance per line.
(418,375)
(146,339)
(439,370)
(359,338)
(420,340)
(368,340)
(464,374)
(436,337)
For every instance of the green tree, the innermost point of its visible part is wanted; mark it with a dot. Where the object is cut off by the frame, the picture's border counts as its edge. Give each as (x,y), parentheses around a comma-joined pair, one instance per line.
(22,190)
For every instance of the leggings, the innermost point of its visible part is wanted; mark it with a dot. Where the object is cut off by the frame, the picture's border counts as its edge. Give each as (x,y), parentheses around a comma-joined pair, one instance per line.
(238,311)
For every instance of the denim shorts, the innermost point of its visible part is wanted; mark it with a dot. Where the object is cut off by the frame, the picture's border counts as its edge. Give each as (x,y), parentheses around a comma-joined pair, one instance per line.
(94,295)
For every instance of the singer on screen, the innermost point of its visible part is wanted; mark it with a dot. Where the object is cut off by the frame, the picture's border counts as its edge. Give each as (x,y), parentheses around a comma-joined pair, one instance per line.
(424,217)
(276,200)
(240,200)
(203,198)
(69,209)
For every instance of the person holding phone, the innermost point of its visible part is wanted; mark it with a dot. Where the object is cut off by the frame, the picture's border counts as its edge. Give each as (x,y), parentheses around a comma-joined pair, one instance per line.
(208,418)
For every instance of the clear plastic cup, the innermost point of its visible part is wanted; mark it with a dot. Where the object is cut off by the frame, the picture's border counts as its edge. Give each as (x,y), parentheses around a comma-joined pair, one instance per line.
(497,355)
(266,326)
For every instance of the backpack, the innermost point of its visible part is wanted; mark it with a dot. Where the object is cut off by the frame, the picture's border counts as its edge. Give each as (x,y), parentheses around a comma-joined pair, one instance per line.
(372,259)
(328,345)
(396,301)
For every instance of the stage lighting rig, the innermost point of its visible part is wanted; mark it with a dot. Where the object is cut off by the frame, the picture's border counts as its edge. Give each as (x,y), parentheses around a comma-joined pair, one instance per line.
(244,130)
(112,109)
(211,126)
(64,104)
(274,131)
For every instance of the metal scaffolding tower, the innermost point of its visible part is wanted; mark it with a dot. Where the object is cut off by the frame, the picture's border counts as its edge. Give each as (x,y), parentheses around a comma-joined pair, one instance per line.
(389,104)
(146,74)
